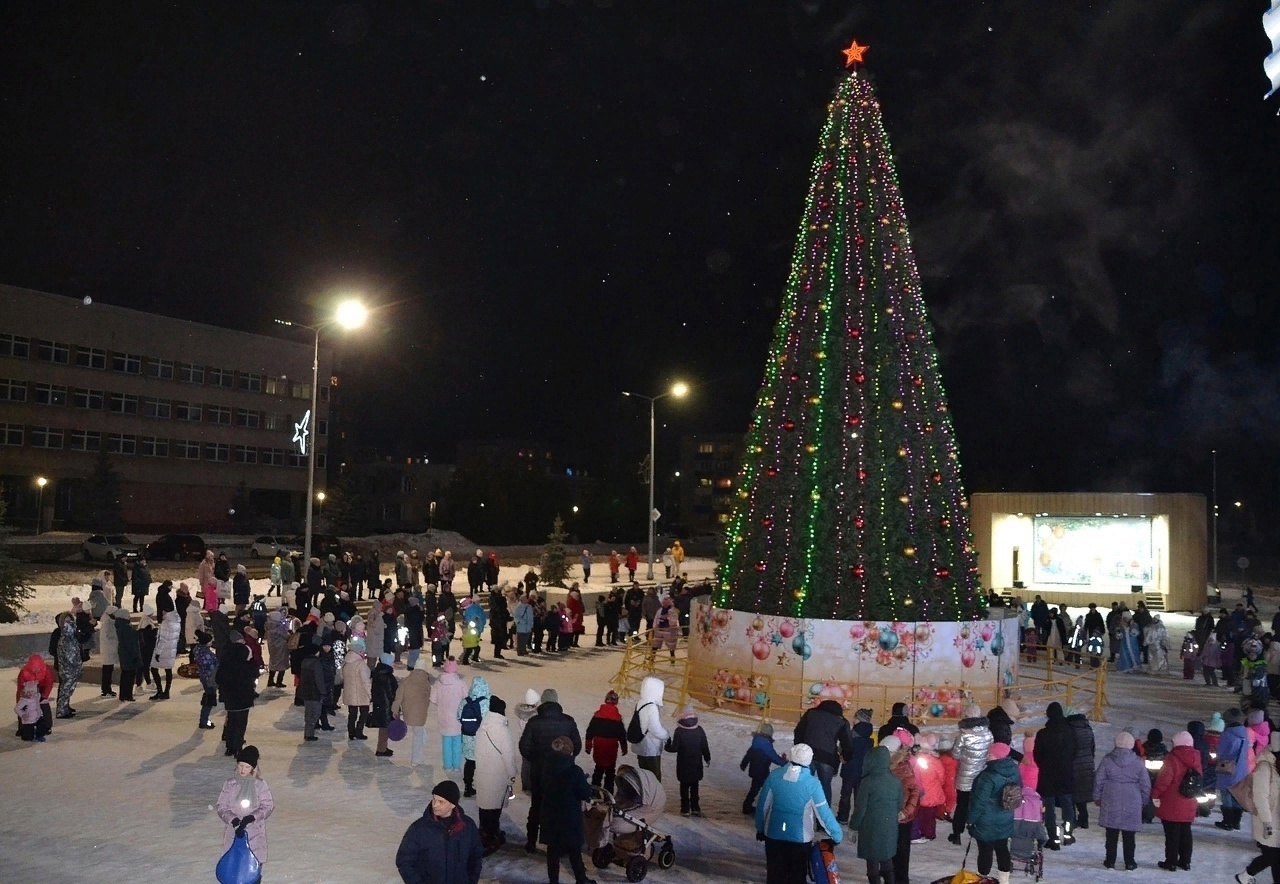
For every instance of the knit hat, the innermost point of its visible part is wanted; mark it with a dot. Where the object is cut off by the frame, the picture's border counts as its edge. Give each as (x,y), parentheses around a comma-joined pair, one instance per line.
(314,612)
(892,743)
(945,743)
(687,712)
(1183,738)
(236,636)
(531,697)
(1124,740)
(972,711)
(904,737)
(465,603)
(149,609)
(203,637)
(240,569)
(1255,716)
(498,705)
(328,618)
(449,791)
(386,659)
(801,754)
(862,715)
(550,696)
(1155,735)
(248,755)
(928,741)
(611,698)
(1232,717)
(451,665)
(562,745)
(1215,724)
(998,751)
(340,627)
(765,730)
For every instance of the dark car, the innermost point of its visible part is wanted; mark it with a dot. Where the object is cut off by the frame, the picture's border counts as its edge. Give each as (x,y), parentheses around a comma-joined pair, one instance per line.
(322,545)
(176,548)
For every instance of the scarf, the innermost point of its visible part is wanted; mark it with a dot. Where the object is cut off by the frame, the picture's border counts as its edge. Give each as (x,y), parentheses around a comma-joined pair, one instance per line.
(247,796)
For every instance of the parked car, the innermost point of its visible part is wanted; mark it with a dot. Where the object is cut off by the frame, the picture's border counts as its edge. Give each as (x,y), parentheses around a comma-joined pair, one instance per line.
(269,546)
(176,548)
(107,547)
(322,545)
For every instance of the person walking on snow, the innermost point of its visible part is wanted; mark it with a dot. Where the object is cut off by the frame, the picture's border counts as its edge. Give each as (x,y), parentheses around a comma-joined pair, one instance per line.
(245,804)
(447,695)
(790,809)
(480,694)
(649,749)
(496,766)
(606,735)
(411,705)
(689,743)
(757,762)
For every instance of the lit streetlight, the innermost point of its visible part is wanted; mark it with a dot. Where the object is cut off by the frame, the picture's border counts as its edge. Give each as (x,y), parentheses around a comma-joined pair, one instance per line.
(41,481)
(679,390)
(350,314)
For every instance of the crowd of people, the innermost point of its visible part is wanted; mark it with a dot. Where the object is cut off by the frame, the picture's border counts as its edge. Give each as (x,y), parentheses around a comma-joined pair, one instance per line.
(1013,796)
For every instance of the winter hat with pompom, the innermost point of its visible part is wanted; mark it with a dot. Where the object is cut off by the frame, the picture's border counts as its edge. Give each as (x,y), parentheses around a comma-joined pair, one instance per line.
(998,751)
(450,665)
(531,697)
(1124,740)
(928,742)
(892,743)
(1215,724)
(801,754)
(972,711)
(1183,738)
(904,737)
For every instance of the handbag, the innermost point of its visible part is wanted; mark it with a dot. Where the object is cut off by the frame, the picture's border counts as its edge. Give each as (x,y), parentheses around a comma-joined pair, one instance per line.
(238,865)
(397,730)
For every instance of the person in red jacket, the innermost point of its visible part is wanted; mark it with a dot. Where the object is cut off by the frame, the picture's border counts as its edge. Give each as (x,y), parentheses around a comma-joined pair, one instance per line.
(40,672)
(615,565)
(605,733)
(949,768)
(1177,811)
(633,562)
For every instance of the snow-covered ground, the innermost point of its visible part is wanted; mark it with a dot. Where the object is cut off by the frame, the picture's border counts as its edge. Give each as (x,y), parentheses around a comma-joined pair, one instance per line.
(124,792)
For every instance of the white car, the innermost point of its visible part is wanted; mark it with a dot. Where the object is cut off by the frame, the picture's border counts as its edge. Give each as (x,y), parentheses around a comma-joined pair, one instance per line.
(107,547)
(268,547)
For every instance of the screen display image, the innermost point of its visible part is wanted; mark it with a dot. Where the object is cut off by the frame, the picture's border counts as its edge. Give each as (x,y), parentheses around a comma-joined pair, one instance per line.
(1092,550)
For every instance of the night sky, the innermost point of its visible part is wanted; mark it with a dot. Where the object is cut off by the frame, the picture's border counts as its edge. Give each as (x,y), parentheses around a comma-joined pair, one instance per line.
(562,200)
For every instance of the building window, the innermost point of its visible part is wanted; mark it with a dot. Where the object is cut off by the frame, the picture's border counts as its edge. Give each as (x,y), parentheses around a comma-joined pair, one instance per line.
(11,434)
(16,346)
(324,394)
(91,357)
(321,460)
(191,374)
(245,455)
(706,448)
(273,457)
(122,403)
(187,450)
(222,377)
(406,485)
(157,408)
(301,391)
(149,446)
(117,444)
(46,437)
(129,363)
(92,399)
(278,386)
(249,381)
(51,394)
(296,460)
(217,451)
(83,440)
(274,421)
(51,351)
(160,369)
(188,411)
(219,414)
(322,428)
(13,391)
(250,420)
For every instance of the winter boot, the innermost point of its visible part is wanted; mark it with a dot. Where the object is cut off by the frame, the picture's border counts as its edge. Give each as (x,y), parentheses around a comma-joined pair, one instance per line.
(1067,838)
(1002,877)
(1245,878)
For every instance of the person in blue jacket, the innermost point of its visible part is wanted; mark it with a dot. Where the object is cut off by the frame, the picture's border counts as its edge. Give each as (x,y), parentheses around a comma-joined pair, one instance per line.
(790,804)
(1233,746)
(443,845)
(759,760)
(851,769)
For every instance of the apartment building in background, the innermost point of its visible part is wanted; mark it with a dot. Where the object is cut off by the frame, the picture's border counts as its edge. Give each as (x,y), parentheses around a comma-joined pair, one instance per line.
(185,411)
(708,480)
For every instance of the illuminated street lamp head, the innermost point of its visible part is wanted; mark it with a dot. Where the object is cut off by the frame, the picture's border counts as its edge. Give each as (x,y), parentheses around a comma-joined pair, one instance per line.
(351,314)
(680,389)
(320,496)
(42,481)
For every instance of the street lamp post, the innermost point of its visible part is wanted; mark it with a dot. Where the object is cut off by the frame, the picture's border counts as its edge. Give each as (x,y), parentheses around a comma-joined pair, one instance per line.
(678,390)
(349,315)
(41,481)
(1214,453)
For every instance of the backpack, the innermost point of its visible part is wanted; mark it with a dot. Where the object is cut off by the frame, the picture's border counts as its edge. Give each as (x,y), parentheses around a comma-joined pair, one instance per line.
(635,732)
(470,716)
(1192,785)
(1011,796)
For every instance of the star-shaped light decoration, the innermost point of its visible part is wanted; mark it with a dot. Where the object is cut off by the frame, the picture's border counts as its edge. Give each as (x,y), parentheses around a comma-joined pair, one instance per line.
(853,55)
(300,434)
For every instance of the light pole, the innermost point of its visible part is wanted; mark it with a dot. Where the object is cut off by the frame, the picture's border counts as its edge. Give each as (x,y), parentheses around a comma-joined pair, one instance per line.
(349,315)
(41,481)
(1214,453)
(320,498)
(678,390)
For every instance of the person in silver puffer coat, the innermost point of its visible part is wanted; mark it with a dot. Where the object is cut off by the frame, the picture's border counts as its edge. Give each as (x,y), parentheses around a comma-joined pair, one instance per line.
(970,753)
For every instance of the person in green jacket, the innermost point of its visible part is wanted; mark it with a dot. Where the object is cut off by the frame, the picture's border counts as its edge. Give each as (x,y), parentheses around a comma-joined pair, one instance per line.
(876,809)
(990,823)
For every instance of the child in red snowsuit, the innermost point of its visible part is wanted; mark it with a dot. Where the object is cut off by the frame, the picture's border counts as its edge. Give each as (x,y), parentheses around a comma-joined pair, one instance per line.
(605,733)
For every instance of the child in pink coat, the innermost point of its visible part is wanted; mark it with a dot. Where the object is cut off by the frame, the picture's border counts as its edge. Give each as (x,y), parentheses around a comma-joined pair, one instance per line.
(30,715)
(1028,769)
(931,776)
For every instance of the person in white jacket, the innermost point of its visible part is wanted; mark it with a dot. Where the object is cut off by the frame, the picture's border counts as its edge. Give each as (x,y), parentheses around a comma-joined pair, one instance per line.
(649,749)
(166,653)
(497,763)
(1266,816)
(108,648)
(357,689)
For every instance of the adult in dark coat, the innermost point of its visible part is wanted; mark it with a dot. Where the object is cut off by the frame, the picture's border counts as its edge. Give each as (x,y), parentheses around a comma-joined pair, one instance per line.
(119,577)
(1055,755)
(382,694)
(1001,724)
(1093,622)
(1083,768)
(475,574)
(825,730)
(129,652)
(415,629)
(851,770)
(236,678)
(499,617)
(564,788)
(897,719)
(443,845)
(535,747)
(140,583)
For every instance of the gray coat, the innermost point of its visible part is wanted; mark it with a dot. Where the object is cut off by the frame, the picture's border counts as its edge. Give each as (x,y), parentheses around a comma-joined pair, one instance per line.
(970,751)
(1122,786)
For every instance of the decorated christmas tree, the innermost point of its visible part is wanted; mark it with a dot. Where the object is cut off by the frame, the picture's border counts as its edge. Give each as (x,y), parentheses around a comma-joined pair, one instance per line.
(850,501)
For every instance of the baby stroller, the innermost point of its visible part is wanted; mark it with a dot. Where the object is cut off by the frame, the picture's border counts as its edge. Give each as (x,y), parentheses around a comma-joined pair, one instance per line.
(1026,848)
(617,825)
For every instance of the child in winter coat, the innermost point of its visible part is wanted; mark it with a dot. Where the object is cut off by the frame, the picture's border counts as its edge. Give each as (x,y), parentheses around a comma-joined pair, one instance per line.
(689,743)
(1190,656)
(30,715)
(758,761)
(1259,728)
(480,693)
(930,775)
(606,734)
(207,664)
(447,694)
(1029,833)
(1211,659)
(949,767)
(851,768)
(245,803)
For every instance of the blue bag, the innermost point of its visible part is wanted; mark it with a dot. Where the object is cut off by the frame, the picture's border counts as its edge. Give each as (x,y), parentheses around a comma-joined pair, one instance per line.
(238,865)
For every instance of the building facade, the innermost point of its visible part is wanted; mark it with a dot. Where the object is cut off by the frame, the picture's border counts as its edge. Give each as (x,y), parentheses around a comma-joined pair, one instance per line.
(708,480)
(187,413)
